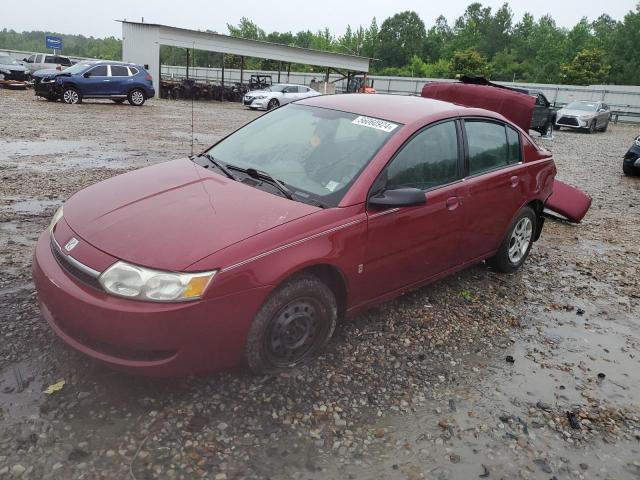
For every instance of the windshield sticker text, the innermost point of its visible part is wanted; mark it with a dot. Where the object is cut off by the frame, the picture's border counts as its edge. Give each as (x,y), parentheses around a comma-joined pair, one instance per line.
(375,123)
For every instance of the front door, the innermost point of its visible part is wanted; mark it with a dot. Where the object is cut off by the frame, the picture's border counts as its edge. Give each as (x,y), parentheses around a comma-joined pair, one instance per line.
(406,246)
(96,81)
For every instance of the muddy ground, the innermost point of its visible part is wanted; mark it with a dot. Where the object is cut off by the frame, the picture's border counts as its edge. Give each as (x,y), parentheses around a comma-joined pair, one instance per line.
(482,375)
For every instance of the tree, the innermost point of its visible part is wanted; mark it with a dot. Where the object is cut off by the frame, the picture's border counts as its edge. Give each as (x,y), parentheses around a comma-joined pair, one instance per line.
(468,62)
(624,52)
(401,37)
(437,39)
(588,67)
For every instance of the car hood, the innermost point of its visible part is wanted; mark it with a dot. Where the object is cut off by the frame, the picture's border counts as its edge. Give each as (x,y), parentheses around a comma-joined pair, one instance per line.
(173,214)
(45,72)
(575,113)
(12,66)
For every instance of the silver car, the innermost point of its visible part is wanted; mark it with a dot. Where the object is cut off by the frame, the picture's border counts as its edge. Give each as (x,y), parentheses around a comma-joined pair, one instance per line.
(275,95)
(12,70)
(587,115)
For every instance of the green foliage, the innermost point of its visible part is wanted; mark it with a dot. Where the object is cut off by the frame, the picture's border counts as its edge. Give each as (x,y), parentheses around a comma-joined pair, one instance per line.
(588,67)
(481,41)
(401,37)
(468,62)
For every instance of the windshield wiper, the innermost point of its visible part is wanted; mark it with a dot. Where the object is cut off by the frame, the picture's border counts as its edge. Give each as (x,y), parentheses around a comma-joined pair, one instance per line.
(217,164)
(261,175)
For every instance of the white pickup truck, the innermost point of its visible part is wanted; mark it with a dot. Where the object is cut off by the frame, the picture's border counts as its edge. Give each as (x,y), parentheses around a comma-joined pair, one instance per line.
(41,61)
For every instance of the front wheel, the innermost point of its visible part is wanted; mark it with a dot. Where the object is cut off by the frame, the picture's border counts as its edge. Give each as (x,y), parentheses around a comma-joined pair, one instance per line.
(292,326)
(71,96)
(136,97)
(517,243)
(592,126)
(273,103)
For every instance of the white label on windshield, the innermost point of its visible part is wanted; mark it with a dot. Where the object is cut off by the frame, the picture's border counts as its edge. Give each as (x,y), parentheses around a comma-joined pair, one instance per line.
(331,186)
(375,123)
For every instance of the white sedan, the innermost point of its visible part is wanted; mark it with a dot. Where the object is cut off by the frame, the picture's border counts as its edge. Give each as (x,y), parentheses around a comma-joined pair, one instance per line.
(275,95)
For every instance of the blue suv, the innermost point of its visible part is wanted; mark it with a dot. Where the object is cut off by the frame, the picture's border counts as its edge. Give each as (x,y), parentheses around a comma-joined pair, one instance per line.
(117,81)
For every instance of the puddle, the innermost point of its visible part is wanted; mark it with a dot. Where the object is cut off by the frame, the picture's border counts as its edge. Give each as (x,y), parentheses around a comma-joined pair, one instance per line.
(30,206)
(56,155)
(20,391)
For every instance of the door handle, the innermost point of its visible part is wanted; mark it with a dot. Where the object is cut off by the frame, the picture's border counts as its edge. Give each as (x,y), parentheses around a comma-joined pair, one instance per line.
(515,181)
(452,203)
(105,80)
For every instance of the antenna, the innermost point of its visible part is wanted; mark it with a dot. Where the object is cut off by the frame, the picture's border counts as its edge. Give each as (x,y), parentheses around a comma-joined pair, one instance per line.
(192,95)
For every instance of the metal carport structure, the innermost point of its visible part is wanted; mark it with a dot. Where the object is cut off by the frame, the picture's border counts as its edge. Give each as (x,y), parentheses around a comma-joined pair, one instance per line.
(141,44)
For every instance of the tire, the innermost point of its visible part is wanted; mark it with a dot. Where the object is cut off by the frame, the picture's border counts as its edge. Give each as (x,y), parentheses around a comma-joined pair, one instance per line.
(515,248)
(273,103)
(606,125)
(292,326)
(592,126)
(71,96)
(136,97)
(118,100)
(629,170)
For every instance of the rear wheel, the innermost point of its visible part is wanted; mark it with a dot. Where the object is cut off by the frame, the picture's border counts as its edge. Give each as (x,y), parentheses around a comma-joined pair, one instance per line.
(136,97)
(71,96)
(292,326)
(273,103)
(517,243)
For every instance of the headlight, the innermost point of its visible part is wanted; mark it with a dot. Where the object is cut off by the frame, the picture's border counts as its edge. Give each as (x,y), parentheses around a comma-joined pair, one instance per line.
(260,97)
(139,283)
(6,72)
(637,141)
(55,219)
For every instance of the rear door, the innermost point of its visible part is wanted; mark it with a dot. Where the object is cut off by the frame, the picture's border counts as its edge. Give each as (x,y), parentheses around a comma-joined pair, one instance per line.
(408,245)
(120,80)
(496,182)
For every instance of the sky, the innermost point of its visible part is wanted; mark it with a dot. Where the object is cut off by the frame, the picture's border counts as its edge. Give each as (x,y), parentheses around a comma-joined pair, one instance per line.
(96,18)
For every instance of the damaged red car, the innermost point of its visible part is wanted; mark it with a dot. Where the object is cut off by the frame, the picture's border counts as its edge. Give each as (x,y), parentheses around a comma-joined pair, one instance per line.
(252,251)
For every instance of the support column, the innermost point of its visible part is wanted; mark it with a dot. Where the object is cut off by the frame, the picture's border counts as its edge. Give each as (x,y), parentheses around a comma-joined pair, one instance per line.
(279,68)
(241,68)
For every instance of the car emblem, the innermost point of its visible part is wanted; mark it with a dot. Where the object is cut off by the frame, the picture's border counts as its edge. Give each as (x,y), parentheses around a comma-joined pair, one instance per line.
(71,244)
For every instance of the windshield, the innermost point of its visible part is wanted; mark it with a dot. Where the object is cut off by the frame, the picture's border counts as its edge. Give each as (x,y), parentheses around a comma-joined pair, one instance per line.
(77,68)
(7,60)
(315,152)
(586,106)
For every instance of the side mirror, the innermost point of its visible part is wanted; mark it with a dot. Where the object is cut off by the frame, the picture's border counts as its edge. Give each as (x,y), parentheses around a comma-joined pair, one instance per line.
(402,197)
(86,74)
(602,110)
(25,60)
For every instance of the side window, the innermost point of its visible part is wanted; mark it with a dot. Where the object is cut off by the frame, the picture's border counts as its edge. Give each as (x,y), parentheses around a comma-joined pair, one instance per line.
(99,71)
(291,90)
(49,59)
(134,71)
(429,159)
(38,59)
(31,59)
(488,147)
(65,62)
(513,145)
(119,71)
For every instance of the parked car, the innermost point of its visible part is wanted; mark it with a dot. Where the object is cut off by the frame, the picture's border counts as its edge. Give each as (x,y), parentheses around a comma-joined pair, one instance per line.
(631,162)
(586,115)
(117,81)
(10,69)
(253,249)
(276,95)
(43,61)
(544,115)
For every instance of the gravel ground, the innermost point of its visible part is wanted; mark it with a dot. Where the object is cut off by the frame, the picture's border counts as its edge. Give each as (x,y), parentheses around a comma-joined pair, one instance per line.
(481,375)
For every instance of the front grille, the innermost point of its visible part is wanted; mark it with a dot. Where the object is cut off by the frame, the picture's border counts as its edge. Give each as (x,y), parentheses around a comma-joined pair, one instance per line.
(16,75)
(572,121)
(74,271)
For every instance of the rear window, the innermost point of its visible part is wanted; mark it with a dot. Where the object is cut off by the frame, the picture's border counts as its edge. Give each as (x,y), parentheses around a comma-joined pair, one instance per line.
(488,147)
(119,71)
(134,71)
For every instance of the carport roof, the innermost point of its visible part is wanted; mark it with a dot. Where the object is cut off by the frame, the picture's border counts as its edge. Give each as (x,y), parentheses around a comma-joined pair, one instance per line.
(216,42)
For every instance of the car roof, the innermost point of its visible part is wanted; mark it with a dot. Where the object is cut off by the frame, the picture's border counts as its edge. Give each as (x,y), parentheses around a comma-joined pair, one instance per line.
(395,108)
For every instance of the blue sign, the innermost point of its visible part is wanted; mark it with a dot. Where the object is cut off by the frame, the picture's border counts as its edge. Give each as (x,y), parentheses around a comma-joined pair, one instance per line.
(53,42)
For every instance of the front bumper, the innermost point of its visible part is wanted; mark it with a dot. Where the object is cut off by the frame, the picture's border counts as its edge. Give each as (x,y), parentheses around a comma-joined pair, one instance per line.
(157,339)
(570,121)
(44,89)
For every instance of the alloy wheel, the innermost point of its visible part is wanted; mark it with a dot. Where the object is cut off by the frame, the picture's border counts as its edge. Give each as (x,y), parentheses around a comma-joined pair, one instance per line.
(137,97)
(520,240)
(70,96)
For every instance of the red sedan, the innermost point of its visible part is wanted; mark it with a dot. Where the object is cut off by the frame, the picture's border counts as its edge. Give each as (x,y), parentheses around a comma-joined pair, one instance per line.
(254,249)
